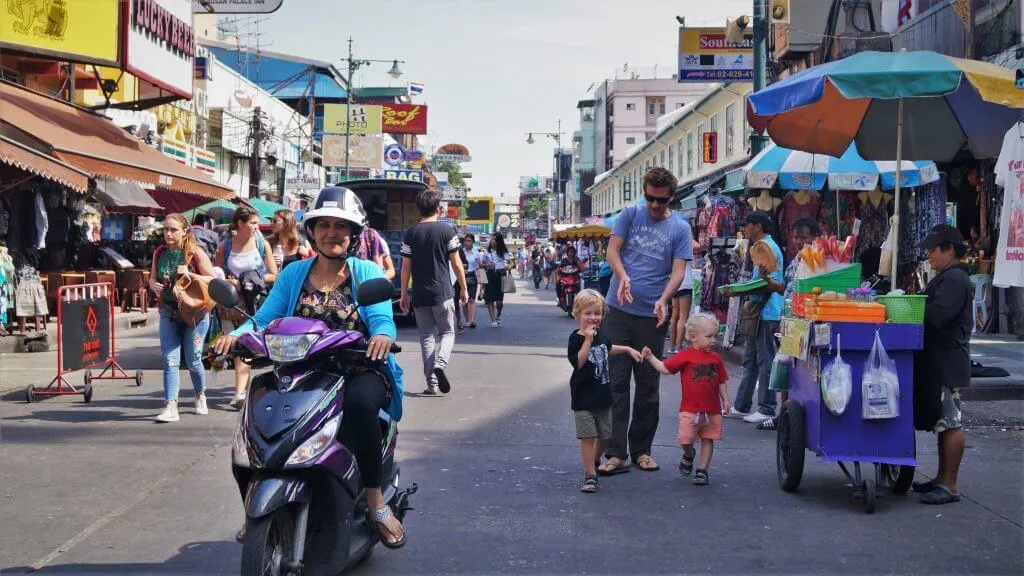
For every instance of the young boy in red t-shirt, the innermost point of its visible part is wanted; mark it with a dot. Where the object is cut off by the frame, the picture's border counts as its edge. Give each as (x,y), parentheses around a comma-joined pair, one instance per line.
(705,397)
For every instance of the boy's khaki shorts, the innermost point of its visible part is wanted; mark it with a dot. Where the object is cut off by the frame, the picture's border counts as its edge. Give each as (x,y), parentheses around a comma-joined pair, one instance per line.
(593,423)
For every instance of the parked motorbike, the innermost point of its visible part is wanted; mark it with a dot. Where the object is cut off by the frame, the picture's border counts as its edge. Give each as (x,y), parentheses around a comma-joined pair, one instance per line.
(304,499)
(568,286)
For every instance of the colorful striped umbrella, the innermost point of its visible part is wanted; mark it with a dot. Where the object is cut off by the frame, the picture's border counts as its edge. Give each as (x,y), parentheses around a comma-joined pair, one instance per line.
(796,170)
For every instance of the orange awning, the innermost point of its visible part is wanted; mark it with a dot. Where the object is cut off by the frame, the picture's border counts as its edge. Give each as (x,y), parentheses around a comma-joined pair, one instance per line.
(93,143)
(35,162)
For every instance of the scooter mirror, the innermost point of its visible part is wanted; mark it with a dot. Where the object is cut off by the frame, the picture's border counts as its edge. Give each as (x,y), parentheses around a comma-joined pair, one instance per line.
(223,293)
(374,291)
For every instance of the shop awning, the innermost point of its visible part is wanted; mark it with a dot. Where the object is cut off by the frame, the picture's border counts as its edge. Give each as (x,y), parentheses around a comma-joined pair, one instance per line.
(25,158)
(126,198)
(91,142)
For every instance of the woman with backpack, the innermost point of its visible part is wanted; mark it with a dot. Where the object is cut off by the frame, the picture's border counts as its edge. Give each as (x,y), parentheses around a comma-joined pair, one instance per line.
(177,257)
(248,263)
(285,242)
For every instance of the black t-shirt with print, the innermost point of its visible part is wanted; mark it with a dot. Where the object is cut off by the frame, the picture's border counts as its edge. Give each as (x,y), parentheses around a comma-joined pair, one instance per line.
(428,245)
(590,384)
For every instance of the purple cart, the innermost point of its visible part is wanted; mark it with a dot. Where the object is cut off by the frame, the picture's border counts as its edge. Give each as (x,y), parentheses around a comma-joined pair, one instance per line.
(807,424)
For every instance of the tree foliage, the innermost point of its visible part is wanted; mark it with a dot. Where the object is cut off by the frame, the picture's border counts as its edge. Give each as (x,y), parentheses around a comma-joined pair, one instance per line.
(454,173)
(536,205)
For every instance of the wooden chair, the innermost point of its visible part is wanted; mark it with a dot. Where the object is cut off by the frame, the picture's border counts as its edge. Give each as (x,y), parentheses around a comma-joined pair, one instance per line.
(134,290)
(100,276)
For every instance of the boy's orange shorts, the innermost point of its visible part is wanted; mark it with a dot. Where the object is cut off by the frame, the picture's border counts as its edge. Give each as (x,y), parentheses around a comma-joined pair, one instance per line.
(703,425)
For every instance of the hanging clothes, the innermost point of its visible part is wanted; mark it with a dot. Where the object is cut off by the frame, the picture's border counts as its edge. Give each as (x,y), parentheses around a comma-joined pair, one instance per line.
(6,285)
(789,212)
(704,226)
(920,210)
(874,225)
(847,213)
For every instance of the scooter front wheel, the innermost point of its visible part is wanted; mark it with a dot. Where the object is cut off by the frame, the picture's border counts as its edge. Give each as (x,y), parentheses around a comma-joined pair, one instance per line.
(269,544)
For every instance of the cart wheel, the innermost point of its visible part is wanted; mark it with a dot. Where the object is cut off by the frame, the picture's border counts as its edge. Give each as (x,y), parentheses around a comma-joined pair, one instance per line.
(138,377)
(790,444)
(900,478)
(869,495)
(30,394)
(87,392)
(87,378)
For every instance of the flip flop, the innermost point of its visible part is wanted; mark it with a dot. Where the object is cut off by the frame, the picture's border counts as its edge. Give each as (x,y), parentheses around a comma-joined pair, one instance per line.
(651,465)
(613,466)
(923,487)
(940,495)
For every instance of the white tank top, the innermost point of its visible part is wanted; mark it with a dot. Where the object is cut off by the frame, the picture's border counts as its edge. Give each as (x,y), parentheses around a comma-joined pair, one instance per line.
(241,262)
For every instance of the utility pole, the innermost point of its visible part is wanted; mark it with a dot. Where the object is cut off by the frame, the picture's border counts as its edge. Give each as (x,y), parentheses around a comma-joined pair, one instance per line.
(353,65)
(256,137)
(760,60)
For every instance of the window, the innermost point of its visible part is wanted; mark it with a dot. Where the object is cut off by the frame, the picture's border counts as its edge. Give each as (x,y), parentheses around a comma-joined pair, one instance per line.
(630,106)
(679,155)
(630,140)
(689,152)
(662,162)
(730,136)
(671,159)
(700,144)
(661,107)
(745,134)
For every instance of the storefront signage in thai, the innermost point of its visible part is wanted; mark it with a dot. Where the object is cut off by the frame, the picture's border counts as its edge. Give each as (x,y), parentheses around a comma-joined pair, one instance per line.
(405,118)
(706,55)
(160,43)
(364,119)
(74,31)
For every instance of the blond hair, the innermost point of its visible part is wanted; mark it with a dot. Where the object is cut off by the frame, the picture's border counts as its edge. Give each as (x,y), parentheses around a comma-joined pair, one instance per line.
(586,299)
(188,240)
(702,319)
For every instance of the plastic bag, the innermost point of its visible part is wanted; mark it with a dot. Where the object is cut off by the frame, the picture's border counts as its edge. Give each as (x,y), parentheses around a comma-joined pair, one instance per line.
(779,379)
(837,383)
(885,260)
(880,386)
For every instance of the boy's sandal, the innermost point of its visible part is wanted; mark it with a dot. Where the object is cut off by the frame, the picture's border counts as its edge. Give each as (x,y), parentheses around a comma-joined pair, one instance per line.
(589,485)
(686,464)
(388,538)
(940,495)
(612,466)
(646,463)
(701,477)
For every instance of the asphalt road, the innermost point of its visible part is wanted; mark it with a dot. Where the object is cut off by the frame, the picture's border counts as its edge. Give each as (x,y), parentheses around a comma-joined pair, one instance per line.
(101,489)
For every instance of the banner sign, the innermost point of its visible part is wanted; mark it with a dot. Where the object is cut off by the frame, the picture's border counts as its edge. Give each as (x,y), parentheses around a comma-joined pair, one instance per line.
(235,6)
(367,151)
(364,119)
(405,118)
(85,332)
(457,158)
(85,32)
(453,193)
(301,183)
(479,210)
(160,43)
(407,175)
(705,55)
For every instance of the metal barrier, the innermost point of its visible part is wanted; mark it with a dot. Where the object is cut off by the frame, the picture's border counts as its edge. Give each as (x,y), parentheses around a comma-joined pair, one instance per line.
(85,340)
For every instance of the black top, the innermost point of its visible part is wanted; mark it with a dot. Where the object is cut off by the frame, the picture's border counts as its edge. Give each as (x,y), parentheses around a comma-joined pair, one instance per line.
(428,245)
(590,384)
(536,256)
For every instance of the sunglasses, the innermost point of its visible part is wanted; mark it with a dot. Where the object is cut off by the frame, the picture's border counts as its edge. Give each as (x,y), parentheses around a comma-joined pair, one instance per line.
(657,199)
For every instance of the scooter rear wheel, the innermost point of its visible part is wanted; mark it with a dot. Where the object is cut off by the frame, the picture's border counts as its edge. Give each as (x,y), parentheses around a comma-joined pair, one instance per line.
(269,544)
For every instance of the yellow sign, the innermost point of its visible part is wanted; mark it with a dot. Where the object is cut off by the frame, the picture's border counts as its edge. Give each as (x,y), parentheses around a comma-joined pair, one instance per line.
(364,119)
(74,30)
(795,337)
(479,210)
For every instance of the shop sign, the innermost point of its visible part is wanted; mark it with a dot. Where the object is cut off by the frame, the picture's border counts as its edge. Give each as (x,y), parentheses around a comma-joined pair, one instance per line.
(73,31)
(413,155)
(479,210)
(364,119)
(160,43)
(367,151)
(394,155)
(301,183)
(235,6)
(201,69)
(709,147)
(404,118)
(457,158)
(175,149)
(407,175)
(204,160)
(706,55)
(453,193)
(85,332)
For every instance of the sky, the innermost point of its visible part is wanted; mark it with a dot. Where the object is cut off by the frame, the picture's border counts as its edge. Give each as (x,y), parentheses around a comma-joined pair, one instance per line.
(493,70)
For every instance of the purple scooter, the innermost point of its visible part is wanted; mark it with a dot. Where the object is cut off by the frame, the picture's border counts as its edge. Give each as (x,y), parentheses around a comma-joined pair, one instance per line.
(304,499)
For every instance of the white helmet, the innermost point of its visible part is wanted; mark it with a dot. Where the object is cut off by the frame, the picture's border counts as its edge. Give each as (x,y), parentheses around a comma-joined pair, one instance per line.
(337,202)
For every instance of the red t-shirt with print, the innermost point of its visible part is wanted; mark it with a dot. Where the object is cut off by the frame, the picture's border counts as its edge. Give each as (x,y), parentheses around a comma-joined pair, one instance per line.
(700,373)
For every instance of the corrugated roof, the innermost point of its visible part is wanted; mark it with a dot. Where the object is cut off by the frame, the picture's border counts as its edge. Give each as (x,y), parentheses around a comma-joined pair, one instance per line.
(284,76)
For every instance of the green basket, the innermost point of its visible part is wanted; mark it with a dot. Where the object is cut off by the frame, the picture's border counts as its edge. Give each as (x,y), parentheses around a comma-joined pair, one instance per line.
(904,309)
(749,285)
(838,281)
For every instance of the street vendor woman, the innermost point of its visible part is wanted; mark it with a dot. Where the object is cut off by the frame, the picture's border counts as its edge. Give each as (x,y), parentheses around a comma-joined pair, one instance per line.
(944,365)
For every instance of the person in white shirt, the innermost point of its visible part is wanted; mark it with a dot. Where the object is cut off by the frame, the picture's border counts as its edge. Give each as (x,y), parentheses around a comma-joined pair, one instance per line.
(494,260)
(471,262)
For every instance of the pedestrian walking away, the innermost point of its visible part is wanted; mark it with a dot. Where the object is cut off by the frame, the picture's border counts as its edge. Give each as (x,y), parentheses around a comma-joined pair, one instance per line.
(702,376)
(179,256)
(428,249)
(550,260)
(590,383)
(648,254)
(943,366)
(495,263)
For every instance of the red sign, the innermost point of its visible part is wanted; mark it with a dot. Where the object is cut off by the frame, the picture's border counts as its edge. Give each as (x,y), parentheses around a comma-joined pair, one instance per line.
(405,118)
(710,147)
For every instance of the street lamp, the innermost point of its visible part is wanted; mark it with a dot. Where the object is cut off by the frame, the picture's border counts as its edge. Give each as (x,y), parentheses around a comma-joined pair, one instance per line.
(557,137)
(354,65)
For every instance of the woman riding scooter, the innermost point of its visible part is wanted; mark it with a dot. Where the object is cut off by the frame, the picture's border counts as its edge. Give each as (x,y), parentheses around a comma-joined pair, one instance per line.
(323,288)
(569,262)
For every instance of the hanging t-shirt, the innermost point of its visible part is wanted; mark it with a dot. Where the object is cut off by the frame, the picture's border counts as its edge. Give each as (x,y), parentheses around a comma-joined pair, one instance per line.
(1010,175)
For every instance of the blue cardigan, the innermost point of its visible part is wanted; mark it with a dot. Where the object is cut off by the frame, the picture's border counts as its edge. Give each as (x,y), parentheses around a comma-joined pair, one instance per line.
(379,319)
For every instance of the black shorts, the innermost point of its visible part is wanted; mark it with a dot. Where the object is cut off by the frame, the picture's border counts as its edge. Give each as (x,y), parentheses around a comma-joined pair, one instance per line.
(684,292)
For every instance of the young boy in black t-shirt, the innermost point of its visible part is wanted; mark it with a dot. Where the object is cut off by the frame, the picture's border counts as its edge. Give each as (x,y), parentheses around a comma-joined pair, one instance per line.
(590,383)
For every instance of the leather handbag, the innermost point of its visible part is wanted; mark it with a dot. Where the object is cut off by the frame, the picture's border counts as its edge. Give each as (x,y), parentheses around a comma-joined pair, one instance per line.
(508,284)
(750,316)
(193,298)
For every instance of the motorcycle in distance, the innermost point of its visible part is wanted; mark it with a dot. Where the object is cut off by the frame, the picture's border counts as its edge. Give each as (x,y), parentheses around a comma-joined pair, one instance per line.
(304,500)
(568,286)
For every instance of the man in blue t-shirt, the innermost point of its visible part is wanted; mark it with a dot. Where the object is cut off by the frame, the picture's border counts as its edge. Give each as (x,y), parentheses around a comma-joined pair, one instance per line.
(647,253)
(760,347)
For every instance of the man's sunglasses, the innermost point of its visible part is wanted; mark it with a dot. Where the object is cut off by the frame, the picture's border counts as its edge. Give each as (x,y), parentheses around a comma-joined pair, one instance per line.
(657,199)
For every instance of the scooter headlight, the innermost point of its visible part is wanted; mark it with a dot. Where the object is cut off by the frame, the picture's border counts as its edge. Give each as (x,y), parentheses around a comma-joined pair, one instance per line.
(289,348)
(312,449)
(239,452)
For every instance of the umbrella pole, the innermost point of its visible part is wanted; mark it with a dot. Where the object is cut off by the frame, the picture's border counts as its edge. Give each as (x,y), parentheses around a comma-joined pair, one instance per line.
(896,210)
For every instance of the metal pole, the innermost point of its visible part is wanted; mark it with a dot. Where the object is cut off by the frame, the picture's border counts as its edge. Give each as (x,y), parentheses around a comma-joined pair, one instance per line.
(760,56)
(348,105)
(894,230)
(558,169)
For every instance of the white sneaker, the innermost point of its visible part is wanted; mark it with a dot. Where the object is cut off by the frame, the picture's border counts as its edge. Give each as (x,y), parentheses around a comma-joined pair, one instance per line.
(238,401)
(170,413)
(201,408)
(494,324)
(734,413)
(757,418)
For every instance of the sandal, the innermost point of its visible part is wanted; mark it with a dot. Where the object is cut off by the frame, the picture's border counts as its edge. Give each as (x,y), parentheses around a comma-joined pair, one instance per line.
(387,537)
(686,464)
(940,495)
(646,463)
(700,478)
(923,487)
(613,466)
(589,485)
